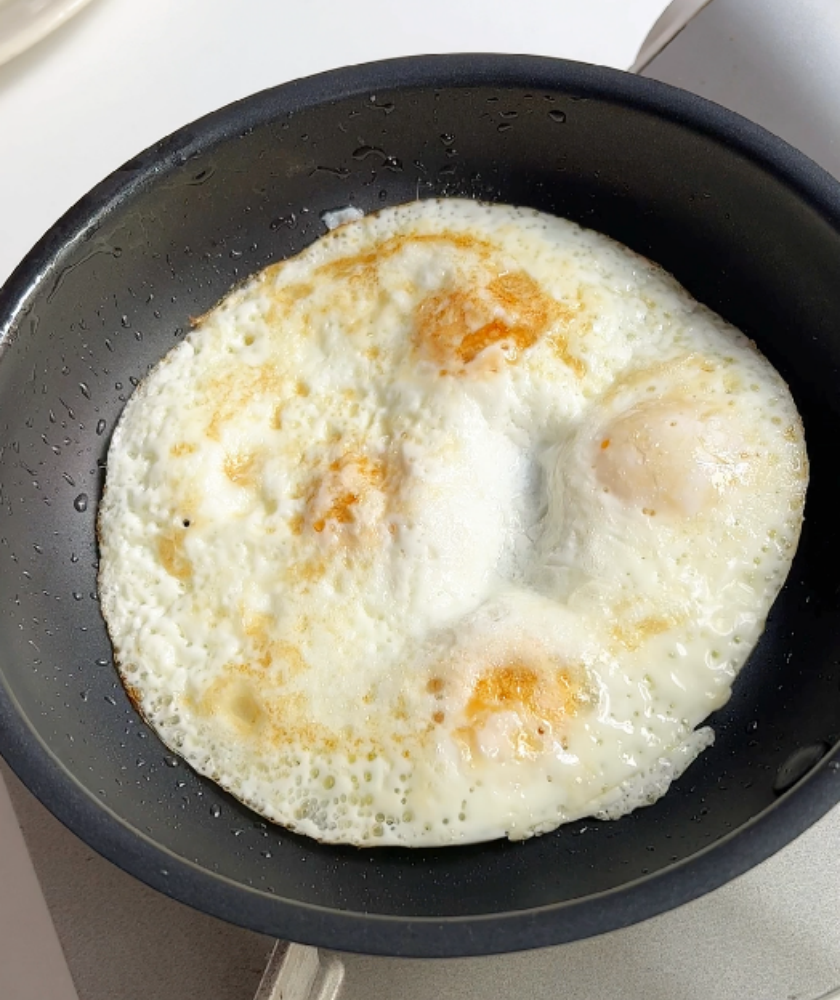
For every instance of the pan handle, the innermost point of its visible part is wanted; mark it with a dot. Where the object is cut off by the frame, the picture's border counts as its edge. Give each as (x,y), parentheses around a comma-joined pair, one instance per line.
(671,22)
(301,972)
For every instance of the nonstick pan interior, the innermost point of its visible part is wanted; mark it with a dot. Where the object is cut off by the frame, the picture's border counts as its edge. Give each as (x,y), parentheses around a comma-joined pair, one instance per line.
(750,226)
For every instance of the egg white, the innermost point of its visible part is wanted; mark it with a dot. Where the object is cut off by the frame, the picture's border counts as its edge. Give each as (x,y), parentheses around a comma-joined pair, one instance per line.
(455,526)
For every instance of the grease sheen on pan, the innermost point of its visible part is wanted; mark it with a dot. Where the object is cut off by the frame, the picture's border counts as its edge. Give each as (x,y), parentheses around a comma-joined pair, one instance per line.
(455,526)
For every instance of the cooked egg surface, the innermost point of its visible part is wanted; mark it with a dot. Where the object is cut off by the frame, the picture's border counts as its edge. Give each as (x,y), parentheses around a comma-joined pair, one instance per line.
(455,526)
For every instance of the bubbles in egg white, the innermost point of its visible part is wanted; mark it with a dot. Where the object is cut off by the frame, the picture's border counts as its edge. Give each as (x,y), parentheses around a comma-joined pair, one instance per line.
(455,526)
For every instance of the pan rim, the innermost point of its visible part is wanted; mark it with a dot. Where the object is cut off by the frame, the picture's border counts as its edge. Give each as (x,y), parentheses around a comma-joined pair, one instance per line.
(384,934)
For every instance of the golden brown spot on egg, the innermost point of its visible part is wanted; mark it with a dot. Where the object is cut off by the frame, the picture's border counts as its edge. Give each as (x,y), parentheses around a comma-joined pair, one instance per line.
(269,649)
(295,291)
(306,571)
(242,468)
(246,709)
(491,333)
(281,720)
(502,687)
(233,700)
(287,654)
(561,349)
(230,393)
(301,389)
(632,635)
(269,274)
(542,695)
(333,496)
(257,628)
(134,695)
(438,718)
(195,321)
(436,685)
(522,299)
(174,559)
(283,299)
(338,511)
(182,448)
(573,315)
(363,266)
(290,729)
(303,625)
(454,326)
(605,443)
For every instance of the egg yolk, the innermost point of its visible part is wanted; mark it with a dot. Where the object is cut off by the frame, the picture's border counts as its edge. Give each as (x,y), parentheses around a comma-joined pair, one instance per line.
(669,457)
(519,708)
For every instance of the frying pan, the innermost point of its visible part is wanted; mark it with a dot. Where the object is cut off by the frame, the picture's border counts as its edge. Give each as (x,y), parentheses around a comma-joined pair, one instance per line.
(748,224)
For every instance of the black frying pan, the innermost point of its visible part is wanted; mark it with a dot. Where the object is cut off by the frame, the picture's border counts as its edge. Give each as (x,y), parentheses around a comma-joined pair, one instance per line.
(748,224)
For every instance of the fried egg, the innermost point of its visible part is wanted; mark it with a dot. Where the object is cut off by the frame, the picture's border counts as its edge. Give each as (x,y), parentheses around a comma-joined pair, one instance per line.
(456,526)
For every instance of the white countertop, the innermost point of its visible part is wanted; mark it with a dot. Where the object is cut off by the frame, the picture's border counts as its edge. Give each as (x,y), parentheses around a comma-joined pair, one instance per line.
(124,73)
(110,82)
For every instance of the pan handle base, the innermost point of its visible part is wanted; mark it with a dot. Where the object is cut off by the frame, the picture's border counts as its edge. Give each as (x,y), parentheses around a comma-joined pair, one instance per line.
(301,972)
